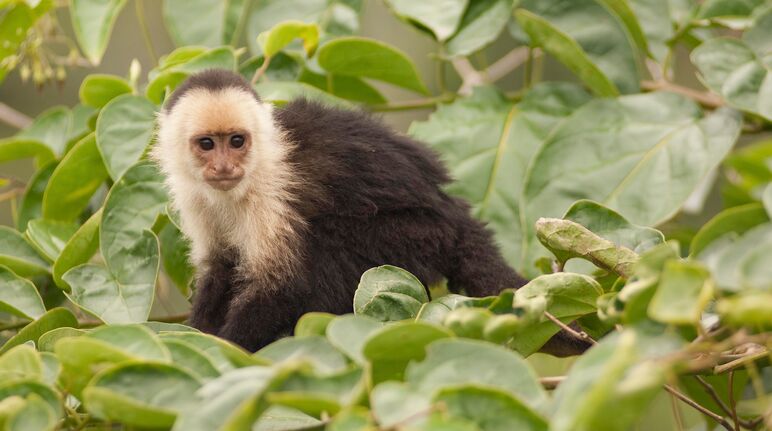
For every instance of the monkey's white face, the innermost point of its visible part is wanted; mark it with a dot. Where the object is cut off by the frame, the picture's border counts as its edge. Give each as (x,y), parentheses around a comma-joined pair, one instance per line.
(221,141)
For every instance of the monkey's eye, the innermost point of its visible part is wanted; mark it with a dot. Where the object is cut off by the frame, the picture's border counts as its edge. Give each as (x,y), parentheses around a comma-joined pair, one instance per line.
(206,144)
(237,141)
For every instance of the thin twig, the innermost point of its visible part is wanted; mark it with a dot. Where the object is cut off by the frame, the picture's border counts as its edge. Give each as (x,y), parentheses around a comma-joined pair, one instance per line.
(261,70)
(707,100)
(139,8)
(733,410)
(425,103)
(241,22)
(13,117)
(576,334)
(720,419)
(470,76)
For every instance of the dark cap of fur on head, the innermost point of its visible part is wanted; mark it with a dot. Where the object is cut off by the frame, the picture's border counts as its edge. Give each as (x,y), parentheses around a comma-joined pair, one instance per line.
(210,79)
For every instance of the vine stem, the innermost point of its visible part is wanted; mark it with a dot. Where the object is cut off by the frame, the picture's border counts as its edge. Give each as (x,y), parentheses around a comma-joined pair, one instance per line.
(707,100)
(576,334)
(261,70)
(241,23)
(681,396)
(139,8)
(13,117)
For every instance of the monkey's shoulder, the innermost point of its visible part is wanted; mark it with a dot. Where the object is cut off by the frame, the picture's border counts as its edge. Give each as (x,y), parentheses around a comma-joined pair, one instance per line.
(359,164)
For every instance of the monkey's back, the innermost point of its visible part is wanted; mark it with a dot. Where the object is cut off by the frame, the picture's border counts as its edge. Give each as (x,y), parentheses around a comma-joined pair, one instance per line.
(351,164)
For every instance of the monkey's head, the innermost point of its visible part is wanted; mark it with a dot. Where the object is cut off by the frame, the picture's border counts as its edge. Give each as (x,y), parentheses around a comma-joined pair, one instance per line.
(215,133)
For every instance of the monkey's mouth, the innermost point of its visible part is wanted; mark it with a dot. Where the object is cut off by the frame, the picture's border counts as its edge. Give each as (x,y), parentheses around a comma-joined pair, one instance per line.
(224,183)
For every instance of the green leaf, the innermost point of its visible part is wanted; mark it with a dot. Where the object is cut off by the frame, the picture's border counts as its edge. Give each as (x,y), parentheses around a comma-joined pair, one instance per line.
(396,404)
(624,12)
(456,362)
(82,357)
(135,340)
(336,17)
(52,319)
(610,225)
(346,87)
(282,34)
(349,333)
(280,418)
(322,356)
(640,155)
(21,362)
(123,291)
(98,89)
(367,58)
(739,263)
(313,323)
(621,375)
(31,390)
(93,22)
(49,236)
(31,206)
(192,359)
(731,68)
(54,127)
(608,48)
(488,142)
(683,293)
(316,395)
(141,394)
(36,414)
(441,17)
(79,248)
(735,14)
(15,149)
(282,92)
(183,19)
(656,22)
(124,130)
(174,255)
(225,356)
(234,401)
(734,221)
(560,45)
(47,341)
(75,179)
(19,296)
(481,24)
(18,255)
(163,85)
(567,239)
(490,409)
(391,348)
(748,309)
(389,293)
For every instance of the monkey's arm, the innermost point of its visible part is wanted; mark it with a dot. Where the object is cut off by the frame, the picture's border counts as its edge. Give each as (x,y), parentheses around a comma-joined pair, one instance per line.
(262,311)
(214,291)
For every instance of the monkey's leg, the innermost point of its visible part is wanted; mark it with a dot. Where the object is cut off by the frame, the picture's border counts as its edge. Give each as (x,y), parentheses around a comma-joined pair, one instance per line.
(476,264)
(213,294)
(262,312)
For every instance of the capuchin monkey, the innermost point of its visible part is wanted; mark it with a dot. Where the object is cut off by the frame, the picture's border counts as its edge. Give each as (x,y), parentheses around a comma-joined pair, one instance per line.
(286,207)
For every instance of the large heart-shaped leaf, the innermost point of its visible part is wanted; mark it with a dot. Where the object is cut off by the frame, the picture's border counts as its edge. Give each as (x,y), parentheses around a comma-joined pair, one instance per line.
(18,255)
(481,24)
(124,129)
(604,58)
(641,155)
(19,296)
(123,291)
(141,394)
(732,69)
(184,20)
(93,21)
(488,143)
(97,89)
(441,17)
(74,180)
(368,58)
(389,293)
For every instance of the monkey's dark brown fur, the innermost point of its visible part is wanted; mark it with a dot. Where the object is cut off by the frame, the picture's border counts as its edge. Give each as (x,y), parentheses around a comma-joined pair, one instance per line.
(369,197)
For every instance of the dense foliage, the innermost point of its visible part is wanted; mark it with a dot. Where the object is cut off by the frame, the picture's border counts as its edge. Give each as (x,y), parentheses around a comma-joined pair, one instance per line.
(573,177)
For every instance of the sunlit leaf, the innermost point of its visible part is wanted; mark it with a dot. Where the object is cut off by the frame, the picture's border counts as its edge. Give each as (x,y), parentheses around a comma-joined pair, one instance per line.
(93,22)
(19,296)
